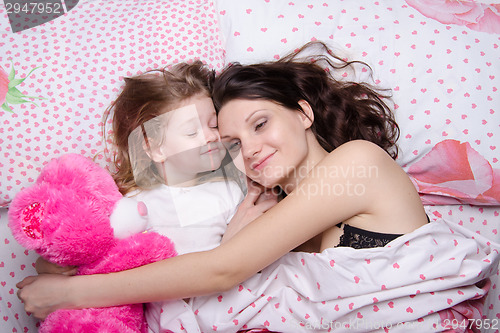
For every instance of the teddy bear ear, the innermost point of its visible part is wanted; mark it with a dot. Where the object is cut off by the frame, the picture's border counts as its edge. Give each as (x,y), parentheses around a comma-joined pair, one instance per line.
(31,220)
(26,215)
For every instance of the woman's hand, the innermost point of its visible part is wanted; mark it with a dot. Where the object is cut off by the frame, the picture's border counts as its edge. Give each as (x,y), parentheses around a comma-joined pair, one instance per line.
(257,201)
(43,294)
(42,266)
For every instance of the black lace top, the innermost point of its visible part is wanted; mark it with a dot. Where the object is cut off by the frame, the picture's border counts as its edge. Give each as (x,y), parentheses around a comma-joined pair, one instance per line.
(362,239)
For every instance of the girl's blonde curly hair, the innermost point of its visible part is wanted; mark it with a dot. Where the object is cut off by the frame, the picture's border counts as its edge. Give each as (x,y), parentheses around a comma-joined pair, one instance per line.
(143,98)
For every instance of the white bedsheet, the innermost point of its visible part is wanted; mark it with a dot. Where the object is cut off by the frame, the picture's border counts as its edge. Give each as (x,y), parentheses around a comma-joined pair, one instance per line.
(420,282)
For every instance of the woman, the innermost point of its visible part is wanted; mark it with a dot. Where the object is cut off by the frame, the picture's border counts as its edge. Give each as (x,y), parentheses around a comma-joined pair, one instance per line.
(327,144)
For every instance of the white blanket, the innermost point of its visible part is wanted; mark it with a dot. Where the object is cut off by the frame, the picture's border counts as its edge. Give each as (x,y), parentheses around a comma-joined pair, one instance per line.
(432,279)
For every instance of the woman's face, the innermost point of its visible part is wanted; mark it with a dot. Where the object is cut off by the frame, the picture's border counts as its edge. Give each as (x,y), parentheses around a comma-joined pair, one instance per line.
(266,140)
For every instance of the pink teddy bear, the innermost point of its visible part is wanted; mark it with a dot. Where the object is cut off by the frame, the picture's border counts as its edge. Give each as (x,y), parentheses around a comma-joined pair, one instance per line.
(75,215)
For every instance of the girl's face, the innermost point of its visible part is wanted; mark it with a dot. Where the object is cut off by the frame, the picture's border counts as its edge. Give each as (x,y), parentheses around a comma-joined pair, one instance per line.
(267,141)
(191,142)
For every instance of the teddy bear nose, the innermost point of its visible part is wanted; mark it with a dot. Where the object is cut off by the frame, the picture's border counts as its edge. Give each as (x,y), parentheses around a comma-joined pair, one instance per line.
(142,209)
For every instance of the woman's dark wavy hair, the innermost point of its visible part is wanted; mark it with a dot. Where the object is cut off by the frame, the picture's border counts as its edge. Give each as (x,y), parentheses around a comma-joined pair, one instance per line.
(343,110)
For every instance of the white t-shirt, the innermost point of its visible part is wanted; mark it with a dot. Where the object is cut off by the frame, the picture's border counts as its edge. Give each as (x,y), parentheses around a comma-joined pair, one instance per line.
(195,217)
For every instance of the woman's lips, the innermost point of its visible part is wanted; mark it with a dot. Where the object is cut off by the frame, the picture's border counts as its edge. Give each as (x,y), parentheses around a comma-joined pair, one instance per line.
(262,163)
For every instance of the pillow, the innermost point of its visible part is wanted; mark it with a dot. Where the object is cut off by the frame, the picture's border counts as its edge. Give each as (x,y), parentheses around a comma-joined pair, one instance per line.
(58,77)
(444,76)
(471,179)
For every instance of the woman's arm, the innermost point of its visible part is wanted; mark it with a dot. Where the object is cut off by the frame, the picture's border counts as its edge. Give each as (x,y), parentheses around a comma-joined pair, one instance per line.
(314,206)
(184,276)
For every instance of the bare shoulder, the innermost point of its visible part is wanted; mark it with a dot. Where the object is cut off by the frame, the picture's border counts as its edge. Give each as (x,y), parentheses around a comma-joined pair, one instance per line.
(389,202)
(359,152)
(360,146)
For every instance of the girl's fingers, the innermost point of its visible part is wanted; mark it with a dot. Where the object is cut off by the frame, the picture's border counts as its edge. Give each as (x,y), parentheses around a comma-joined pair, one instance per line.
(43,266)
(70,272)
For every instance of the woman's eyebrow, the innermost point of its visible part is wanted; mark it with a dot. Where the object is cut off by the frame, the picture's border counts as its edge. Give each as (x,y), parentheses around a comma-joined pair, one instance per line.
(251,114)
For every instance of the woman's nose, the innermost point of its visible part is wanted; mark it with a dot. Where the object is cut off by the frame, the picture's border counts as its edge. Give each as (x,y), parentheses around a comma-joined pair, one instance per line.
(250,148)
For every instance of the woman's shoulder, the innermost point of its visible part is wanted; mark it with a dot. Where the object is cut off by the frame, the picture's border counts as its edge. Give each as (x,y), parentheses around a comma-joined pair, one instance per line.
(358,151)
(358,160)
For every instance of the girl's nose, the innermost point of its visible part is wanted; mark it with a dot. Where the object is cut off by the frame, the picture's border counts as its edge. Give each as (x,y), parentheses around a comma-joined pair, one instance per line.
(211,134)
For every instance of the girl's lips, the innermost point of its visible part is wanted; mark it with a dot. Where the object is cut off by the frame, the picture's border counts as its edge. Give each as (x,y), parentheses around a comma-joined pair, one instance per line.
(211,151)
(262,163)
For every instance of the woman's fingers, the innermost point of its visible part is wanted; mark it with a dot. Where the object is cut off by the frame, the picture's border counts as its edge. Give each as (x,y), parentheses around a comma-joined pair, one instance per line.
(265,204)
(42,294)
(25,282)
(253,193)
(257,201)
(255,189)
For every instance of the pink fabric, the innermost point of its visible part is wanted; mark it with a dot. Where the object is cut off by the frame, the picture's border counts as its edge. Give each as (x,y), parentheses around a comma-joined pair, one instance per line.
(461,317)
(469,177)
(65,217)
(4,85)
(474,15)
(78,62)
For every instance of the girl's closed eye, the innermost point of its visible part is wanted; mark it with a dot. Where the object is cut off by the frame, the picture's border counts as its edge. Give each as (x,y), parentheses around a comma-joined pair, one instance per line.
(192,133)
(213,124)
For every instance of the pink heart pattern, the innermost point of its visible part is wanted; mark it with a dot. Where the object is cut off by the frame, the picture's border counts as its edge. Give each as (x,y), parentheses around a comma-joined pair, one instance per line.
(16,263)
(83,57)
(444,77)
(417,294)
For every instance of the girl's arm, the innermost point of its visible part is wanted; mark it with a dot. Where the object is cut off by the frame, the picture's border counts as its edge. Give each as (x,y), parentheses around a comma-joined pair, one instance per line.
(42,266)
(314,206)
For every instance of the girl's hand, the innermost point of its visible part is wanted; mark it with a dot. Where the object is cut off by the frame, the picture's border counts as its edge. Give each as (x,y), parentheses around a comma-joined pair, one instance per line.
(257,201)
(42,266)
(43,294)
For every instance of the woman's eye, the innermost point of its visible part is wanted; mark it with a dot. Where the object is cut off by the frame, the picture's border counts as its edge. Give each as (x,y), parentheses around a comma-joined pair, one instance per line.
(233,146)
(191,134)
(260,125)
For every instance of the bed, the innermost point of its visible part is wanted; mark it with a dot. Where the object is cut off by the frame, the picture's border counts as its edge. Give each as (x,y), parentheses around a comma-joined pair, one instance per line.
(59,71)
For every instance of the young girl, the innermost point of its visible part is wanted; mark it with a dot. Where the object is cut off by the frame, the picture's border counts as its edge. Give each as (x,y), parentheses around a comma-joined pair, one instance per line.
(327,144)
(169,156)
(168,144)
